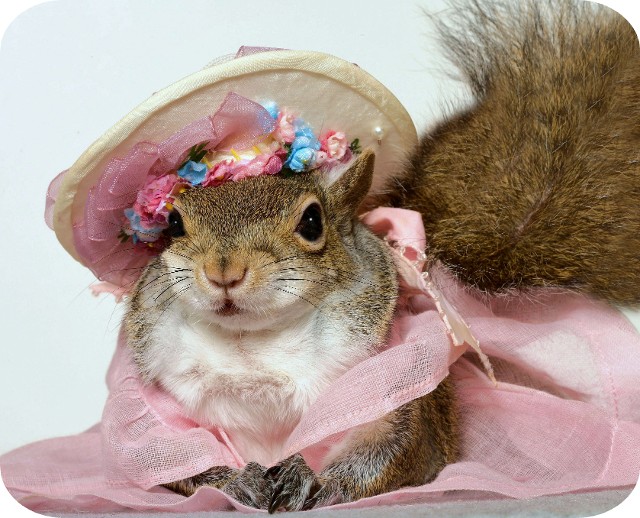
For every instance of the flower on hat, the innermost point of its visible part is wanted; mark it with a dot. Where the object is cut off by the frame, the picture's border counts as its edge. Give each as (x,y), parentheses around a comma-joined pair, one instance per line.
(264,164)
(219,173)
(291,146)
(139,230)
(304,148)
(149,215)
(151,201)
(271,163)
(285,131)
(285,120)
(193,172)
(304,136)
(301,159)
(335,144)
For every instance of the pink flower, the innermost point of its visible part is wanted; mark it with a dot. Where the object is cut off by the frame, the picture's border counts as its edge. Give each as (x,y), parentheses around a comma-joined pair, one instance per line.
(273,163)
(262,164)
(220,173)
(334,144)
(151,202)
(285,131)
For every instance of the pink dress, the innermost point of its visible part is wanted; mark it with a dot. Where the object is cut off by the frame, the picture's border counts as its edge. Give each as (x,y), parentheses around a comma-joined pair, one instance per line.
(563,416)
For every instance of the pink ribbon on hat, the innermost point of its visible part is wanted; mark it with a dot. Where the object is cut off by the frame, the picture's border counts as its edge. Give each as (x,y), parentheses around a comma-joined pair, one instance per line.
(239,122)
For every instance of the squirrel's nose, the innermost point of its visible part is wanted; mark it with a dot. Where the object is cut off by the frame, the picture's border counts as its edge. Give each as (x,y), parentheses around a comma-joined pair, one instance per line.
(229,277)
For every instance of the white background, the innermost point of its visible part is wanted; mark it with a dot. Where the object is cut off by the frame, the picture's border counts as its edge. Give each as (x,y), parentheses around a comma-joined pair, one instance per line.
(69,70)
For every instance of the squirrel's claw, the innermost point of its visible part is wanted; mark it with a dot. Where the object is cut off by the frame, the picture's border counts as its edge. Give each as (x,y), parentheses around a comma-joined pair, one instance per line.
(251,486)
(293,481)
(298,488)
(328,493)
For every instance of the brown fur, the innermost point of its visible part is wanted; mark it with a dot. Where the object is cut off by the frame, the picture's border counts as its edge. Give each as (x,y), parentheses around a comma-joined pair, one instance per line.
(538,183)
(407,447)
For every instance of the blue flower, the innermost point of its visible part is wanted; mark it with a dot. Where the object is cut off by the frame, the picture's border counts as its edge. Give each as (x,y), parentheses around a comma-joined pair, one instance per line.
(134,219)
(301,159)
(193,172)
(304,137)
(272,108)
(302,156)
(139,232)
(302,129)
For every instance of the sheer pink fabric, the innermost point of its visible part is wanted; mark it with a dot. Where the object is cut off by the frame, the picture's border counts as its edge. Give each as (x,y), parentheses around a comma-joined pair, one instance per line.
(564,415)
(238,122)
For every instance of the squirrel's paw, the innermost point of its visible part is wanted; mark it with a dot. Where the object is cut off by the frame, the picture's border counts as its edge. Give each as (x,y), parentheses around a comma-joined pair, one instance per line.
(297,488)
(251,486)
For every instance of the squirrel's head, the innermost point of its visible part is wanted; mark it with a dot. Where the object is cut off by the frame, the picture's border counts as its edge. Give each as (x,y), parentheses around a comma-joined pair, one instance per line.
(249,254)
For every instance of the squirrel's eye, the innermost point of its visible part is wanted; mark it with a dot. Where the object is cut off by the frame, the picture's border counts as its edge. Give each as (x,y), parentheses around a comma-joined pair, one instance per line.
(176,226)
(310,226)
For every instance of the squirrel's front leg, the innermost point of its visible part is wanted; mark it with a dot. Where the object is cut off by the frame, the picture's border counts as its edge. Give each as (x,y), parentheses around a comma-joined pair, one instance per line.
(407,447)
(249,485)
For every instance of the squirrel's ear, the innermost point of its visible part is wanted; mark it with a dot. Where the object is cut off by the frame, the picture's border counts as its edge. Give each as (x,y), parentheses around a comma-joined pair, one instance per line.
(348,187)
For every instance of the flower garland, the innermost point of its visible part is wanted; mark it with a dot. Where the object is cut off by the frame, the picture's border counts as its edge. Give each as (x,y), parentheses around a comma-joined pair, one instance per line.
(290,148)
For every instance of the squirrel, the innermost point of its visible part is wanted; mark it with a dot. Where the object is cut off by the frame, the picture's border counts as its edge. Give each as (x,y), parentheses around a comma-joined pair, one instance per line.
(535,185)
(252,310)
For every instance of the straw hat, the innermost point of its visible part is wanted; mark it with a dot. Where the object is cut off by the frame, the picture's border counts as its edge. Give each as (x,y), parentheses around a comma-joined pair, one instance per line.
(85,203)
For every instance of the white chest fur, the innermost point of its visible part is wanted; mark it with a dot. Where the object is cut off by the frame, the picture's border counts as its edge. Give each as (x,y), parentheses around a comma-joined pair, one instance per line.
(255,385)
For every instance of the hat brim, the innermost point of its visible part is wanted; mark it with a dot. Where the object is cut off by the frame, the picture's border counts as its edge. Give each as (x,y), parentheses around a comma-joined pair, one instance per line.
(326,91)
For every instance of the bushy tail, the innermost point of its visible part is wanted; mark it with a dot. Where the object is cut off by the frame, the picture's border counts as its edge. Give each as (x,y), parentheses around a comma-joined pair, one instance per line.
(538,184)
